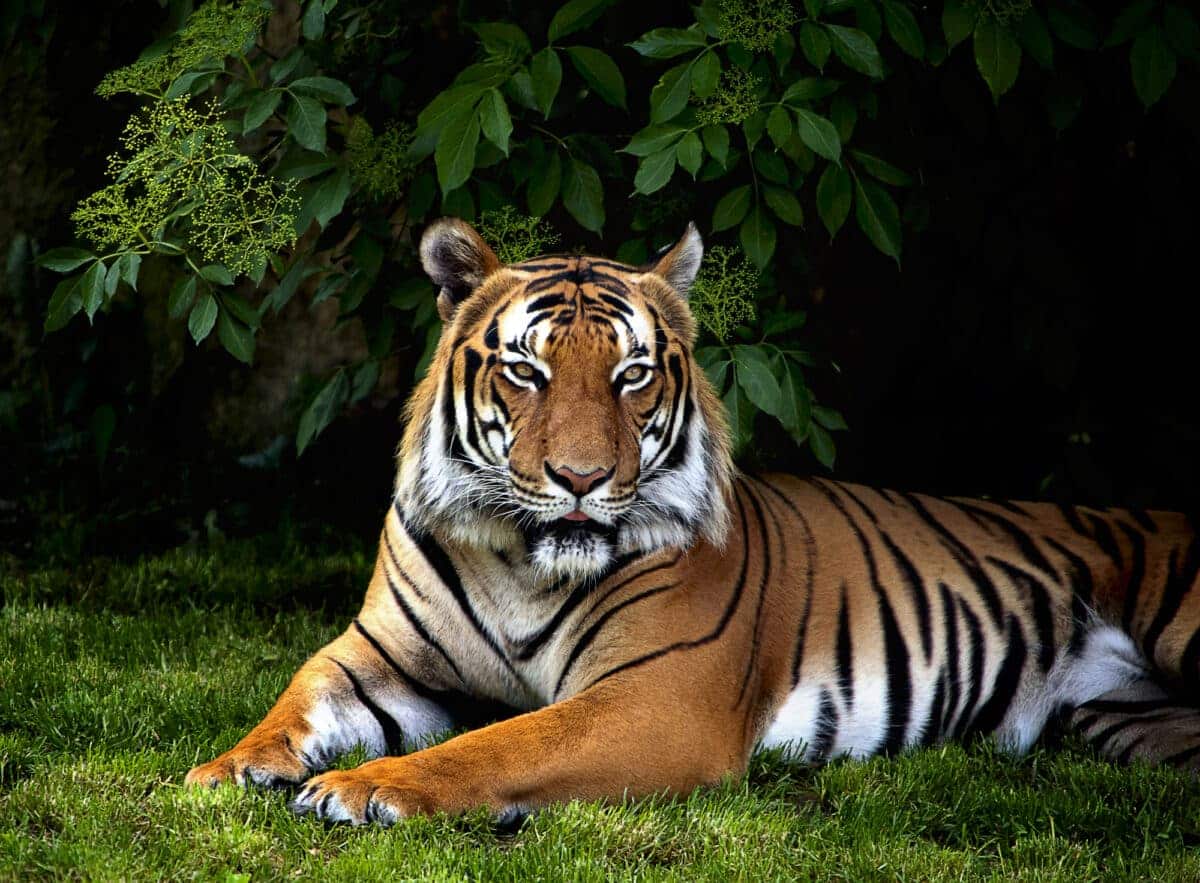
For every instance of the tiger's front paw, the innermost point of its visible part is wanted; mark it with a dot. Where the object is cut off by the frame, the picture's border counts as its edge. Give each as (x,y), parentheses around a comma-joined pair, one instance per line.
(268,763)
(378,792)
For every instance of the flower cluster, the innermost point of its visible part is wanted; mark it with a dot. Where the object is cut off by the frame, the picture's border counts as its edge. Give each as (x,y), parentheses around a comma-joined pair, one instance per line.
(516,237)
(1003,11)
(214,31)
(379,163)
(722,297)
(735,100)
(756,23)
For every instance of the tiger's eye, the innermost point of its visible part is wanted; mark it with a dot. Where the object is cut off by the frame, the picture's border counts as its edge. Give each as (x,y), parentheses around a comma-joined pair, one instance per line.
(633,373)
(523,370)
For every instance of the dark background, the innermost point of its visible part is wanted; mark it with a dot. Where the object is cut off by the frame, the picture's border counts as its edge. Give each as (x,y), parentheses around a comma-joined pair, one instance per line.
(1036,342)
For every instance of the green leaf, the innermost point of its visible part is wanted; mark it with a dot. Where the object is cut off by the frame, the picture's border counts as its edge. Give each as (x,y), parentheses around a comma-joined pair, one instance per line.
(1074,23)
(216,274)
(583,195)
(455,153)
(65,302)
(306,122)
(795,401)
(997,55)
(706,74)
(779,125)
(544,185)
(757,235)
(829,418)
(1129,22)
(235,337)
(731,208)
(690,153)
(654,171)
(958,20)
(818,134)
(183,292)
(494,119)
(668,42)
(64,260)
(784,320)
(325,89)
(283,68)
(503,39)
(546,70)
(128,265)
(1182,31)
(203,317)
(856,50)
(815,45)
(716,142)
(834,195)
(1034,37)
(313,23)
(753,127)
(112,279)
(822,445)
(741,417)
(771,166)
(878,217)
(261,107)
(91,288)
(366,376)
(754,376)
(1152,63)
(325,406)
(884,171)
(808,89)
(575,16)
(844,115)
(600,72)
(184,82)
(903,27)
(652,139)
(784,204)
(448,105)
(329,198)
(669,96)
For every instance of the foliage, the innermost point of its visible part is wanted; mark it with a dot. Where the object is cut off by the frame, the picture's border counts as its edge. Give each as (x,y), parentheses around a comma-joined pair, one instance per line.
(255,172)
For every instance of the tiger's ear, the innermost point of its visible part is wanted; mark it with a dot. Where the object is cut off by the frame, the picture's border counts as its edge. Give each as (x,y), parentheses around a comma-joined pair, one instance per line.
(681,262)
(457,260)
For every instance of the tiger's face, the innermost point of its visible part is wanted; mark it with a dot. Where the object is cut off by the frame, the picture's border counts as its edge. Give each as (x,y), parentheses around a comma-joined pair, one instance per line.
(563,415)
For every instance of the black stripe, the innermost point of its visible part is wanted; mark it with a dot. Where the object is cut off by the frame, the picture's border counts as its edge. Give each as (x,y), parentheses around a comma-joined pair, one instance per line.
(1008,681)
(1104,736)
(845,658)
(393,736)
(1142,517)
(1081,596)
(899,682)
(825,731)
(763,582)
(654,568)
(964,558)
(950,623)
(1039,606)
(1182,757)
(916,591)
(1137,572)
(441,564)
(1024,542)
(415,622)
(1103,536)
(1127,751)
(810,555)
(1189,662)
(535,642)
(590,635)
(1131,706)
(849,493)
(1180,581)
(1071,515)
(930,731)
(718,630)
(975,643)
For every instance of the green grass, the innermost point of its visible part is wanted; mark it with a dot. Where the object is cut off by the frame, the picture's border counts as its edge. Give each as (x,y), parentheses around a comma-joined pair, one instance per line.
(115,678)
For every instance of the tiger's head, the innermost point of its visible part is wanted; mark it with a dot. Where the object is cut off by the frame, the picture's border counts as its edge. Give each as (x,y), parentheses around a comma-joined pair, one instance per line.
(563,414)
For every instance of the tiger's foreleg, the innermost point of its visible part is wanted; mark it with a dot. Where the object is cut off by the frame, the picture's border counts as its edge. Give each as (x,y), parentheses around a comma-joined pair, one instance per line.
(334,703)
(620,738)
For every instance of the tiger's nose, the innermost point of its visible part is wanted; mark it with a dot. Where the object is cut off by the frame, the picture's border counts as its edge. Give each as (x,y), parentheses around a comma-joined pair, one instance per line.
(576,482)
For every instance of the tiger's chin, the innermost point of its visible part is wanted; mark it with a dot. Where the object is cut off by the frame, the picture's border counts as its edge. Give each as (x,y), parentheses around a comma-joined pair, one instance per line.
(571,550)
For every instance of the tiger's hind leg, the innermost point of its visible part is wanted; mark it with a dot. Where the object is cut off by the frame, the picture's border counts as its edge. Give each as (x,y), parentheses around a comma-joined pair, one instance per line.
(1142,721)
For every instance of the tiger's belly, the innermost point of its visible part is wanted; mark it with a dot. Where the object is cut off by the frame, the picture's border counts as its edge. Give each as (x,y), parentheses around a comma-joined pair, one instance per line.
(823,718)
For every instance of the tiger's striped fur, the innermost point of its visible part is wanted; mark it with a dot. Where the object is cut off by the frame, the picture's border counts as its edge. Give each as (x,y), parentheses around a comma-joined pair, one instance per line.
(570,545)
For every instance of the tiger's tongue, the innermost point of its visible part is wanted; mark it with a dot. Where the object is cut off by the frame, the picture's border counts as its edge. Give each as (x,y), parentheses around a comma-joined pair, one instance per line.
(575,516)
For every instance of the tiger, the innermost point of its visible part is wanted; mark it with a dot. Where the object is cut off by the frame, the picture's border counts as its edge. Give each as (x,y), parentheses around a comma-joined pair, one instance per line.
(573,576)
